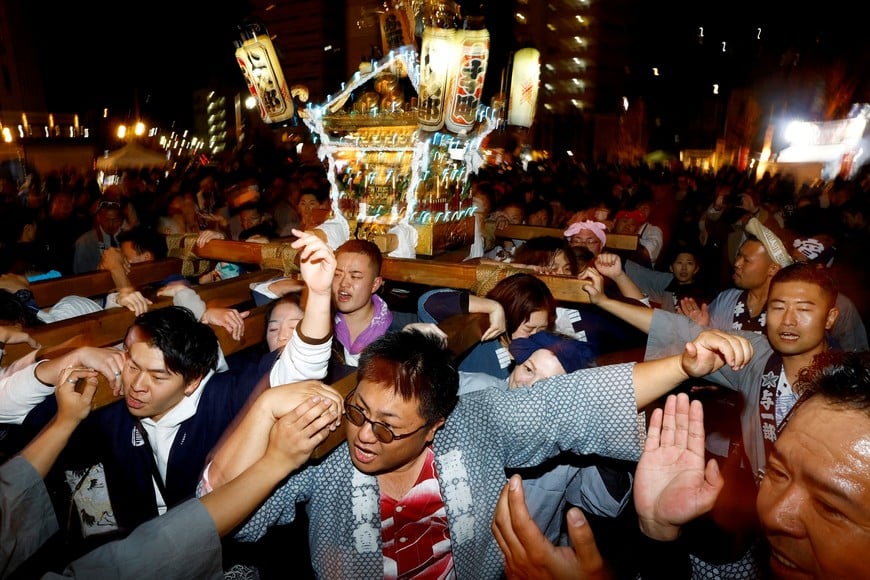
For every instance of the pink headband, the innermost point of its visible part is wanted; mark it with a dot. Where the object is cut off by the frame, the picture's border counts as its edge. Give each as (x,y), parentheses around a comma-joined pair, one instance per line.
(597,228)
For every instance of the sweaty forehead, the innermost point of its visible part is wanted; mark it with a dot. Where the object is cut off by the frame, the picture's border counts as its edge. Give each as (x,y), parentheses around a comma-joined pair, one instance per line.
(795,290)
(830,443)
(353,262)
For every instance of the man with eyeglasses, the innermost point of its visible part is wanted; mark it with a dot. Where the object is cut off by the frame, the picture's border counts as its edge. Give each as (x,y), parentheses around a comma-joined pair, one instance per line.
(412,490)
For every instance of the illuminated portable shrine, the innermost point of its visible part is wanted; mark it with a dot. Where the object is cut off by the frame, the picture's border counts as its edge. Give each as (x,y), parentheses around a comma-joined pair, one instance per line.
(387,173)
(403,136)
(400,140)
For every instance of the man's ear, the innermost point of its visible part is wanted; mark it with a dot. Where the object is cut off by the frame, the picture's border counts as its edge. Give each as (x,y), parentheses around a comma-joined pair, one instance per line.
(430,436)
(377,283)
(773,269)
(833,314)
(191,387)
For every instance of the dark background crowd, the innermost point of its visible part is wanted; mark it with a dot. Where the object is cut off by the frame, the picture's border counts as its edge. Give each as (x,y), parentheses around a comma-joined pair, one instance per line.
(250,194)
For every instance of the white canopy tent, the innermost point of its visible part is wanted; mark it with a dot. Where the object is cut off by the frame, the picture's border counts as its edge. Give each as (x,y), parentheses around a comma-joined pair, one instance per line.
(131,156)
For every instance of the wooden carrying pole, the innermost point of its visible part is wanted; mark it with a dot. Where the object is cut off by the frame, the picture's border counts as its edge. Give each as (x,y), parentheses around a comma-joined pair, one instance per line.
(108,327)
(48,292)
(255,330)
(415,271)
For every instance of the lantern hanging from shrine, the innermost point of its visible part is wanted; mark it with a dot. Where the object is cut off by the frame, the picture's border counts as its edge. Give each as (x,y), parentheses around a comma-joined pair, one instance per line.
(525,79)
(261,68)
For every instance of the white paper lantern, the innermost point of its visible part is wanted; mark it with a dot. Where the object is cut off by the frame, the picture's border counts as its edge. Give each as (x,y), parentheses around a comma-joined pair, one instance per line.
(438,61)
(525,79)
(265,79)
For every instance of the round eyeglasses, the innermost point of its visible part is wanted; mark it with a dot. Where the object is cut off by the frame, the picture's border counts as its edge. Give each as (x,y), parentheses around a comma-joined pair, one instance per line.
(381,431)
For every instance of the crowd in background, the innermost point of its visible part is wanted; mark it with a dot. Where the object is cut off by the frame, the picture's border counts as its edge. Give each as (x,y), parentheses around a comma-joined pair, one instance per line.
(61,224)
(43,225)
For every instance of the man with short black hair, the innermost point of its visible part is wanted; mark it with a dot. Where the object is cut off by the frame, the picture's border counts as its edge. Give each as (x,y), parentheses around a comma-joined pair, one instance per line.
(812,499)
(412,489)
(177,399)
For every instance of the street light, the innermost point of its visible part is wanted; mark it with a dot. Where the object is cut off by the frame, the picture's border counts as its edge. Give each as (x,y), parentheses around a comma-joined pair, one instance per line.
(138,130)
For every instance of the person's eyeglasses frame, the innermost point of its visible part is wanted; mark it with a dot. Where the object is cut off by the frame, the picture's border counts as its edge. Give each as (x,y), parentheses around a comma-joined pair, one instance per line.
(380,430)
(581,242)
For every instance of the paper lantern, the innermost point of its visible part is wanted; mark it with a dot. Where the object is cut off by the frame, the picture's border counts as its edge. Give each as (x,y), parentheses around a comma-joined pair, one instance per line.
(467,87)
(259,63)
(524,87)
(438,60)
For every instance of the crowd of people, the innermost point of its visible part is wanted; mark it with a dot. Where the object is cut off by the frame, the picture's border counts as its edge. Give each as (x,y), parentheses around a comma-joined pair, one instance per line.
(559,444)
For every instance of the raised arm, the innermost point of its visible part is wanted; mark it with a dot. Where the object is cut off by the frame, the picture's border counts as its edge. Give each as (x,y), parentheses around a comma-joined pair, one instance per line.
(72,408)
(306,355)
(317,266)
(610,265)
(292,439)
(493,309)
(638,316)
(248,441)
(710,351)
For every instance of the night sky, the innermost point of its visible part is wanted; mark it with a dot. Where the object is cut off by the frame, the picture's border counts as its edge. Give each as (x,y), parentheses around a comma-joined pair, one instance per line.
(97,54)
(92,56)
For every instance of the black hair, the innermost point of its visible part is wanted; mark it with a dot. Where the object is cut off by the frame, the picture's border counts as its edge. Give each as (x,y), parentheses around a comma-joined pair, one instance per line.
(841,377)
(189,347)
(811,274)
(145,240)
(13,311)
(415,365)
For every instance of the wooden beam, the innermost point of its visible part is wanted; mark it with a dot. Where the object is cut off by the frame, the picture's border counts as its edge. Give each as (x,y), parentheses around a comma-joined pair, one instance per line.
(108,327)
(97,283)
(416,271)
(429,272)
(111,328)
(524,232)
(235,251)
(468,276)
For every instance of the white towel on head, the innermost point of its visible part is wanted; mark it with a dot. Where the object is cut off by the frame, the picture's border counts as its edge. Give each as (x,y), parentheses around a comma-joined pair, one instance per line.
(774,246)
